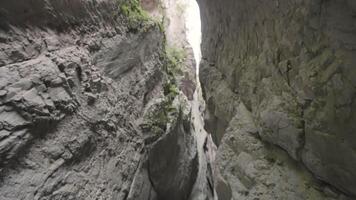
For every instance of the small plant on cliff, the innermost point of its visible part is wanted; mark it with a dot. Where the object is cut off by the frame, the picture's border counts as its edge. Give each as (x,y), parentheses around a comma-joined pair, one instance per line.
(163,113)
(157,119)
(175,58)
(136,16)
(170,90)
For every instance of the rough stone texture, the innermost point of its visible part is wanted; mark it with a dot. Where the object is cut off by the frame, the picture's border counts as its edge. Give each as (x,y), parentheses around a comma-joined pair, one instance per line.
(291,63)
(173,160)
(172,13)
(256,170)
(74,84)
(170,167)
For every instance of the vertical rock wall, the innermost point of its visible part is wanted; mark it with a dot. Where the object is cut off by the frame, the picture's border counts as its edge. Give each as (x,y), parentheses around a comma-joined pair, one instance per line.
(291,64)
(77,79)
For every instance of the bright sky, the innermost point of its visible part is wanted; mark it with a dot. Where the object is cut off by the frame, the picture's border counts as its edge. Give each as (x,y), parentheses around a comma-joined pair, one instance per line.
(192,17)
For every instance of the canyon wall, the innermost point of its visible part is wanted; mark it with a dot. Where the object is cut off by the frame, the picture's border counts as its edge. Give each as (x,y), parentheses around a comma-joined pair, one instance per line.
(279,81)
(89,107)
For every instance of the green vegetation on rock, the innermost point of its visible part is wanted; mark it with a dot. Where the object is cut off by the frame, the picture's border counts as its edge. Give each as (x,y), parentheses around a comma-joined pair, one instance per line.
(137,18)
(157,119)
(163,113)
(175,58)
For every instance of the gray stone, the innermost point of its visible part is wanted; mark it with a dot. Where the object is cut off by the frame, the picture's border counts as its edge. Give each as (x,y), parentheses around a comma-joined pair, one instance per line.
(223,189)
(292,72)
(53,145)
(59,147)
(11,120)
(91,98)
(173,161)
(3,93)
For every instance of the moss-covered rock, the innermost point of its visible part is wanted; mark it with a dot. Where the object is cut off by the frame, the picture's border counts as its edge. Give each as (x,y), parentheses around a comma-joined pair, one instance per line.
(136,18)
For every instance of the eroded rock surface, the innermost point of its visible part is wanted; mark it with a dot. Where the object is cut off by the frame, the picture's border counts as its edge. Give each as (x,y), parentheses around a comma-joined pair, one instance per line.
(173,13)
(171,161)
(291,64)
(254,169)
(75,84)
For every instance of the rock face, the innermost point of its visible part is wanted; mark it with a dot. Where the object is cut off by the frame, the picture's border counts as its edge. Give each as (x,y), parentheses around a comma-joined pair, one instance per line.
(172,161)
(75,82)
(173,158)
(174,12)
(290,64)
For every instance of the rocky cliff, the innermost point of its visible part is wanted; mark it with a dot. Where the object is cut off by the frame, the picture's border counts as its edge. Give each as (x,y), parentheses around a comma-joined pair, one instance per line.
(89,105)
(94,101)
(279,81)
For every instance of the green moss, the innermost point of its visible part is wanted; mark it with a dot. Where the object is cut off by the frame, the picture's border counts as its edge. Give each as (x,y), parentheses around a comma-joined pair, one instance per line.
(164,113)
(175,59)
(156,121)
(136,17)
(176,55)
(170,90)
(161,26)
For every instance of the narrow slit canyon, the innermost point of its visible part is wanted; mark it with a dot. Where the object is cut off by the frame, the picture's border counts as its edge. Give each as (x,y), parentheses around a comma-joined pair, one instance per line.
(177,100)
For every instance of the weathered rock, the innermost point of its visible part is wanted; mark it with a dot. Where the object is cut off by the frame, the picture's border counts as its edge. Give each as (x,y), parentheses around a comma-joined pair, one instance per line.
(290,63)
(56,142)
(91,98)
(172,13)
(253,169)
(3,93)
(173,161)
(171,165)
(141,188)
